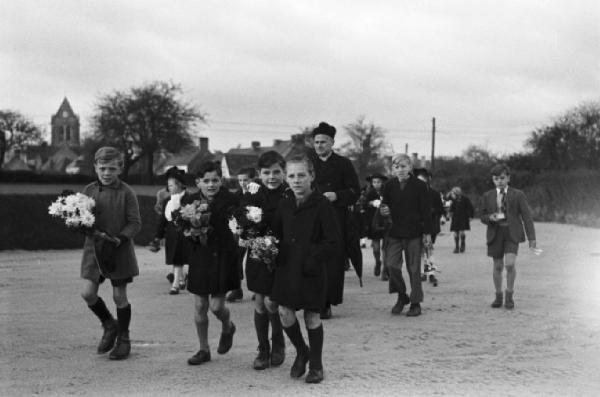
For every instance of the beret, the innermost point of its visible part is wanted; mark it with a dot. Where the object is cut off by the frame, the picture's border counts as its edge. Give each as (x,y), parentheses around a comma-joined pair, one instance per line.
(324,129)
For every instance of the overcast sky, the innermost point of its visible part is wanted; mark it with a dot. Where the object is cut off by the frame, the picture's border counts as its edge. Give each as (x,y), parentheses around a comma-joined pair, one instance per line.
(489,71)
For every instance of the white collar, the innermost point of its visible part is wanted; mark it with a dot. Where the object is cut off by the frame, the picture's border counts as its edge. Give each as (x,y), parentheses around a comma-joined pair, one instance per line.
(498,190)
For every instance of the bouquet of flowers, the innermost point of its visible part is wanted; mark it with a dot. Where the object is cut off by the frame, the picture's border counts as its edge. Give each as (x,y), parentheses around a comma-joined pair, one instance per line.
(76,209)
(194,221)
(247,223)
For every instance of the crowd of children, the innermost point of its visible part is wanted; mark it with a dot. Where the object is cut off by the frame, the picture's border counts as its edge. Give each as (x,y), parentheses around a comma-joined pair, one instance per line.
(401,215)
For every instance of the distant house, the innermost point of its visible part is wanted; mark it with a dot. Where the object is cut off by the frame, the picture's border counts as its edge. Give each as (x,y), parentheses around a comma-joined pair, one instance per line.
(239,158)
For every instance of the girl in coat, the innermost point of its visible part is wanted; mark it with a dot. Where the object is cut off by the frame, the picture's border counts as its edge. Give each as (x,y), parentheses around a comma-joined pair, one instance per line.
(306,225)
(175,243)
(461,211)
(374,231)
(259,277)
(212,265)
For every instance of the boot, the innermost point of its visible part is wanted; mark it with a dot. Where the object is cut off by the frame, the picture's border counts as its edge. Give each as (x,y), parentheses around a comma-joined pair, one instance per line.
(122,347)
(278,341)
(315,366)
(235,295)
(456,250)
(498,302)
(462,243)
(108,337)
(377,270)
(302,352)
(262,360)
(509,303)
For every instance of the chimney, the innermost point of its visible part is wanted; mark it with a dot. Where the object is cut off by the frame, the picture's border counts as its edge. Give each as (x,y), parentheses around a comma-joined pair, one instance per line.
(203,141)
(277,142)
(415,160)
(255,145)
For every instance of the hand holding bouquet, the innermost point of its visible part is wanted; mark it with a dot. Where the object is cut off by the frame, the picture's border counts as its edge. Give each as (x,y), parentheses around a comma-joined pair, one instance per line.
(194,220)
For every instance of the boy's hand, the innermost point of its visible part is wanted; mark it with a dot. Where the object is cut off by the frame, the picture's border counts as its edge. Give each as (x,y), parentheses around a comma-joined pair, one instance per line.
(494,217)
(427,240)
(384,210)
(117,241)
(331,196)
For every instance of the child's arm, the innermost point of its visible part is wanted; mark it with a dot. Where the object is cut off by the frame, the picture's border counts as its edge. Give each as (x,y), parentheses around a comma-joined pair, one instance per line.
(525,214)
(132,214)
(325,241)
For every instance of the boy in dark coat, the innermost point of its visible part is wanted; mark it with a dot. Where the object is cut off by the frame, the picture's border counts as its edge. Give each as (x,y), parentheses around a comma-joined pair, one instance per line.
(259,277)
(212,266)
(118,216)
(507,215)
(406,201)
(307,228)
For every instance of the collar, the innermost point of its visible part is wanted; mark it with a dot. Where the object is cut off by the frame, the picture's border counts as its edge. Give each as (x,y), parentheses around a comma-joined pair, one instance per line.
(505,190)
(114,186)
(325,158)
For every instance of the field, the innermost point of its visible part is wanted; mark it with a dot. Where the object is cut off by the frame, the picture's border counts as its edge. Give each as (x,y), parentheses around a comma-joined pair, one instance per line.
(548,345)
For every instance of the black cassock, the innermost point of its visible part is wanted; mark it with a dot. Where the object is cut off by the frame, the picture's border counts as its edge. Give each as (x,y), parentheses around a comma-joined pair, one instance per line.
(337,174)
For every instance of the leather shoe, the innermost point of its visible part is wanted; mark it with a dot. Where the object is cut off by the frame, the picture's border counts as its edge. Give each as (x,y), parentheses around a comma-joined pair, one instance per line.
(277,354)
(326,313)
(171,278)
(199,358)
(122,347)
(498,301)
(174,291)
(299,365)
(314,376)
(108,337)
(509,303)
(226,340)
(235,295)
(398,307)
(262,361)
(414,311)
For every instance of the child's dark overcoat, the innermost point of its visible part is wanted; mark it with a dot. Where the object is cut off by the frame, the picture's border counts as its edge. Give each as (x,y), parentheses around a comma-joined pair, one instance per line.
(309,238)
(462,211)
(258,277)
(117,213)
(213,268)
(176,245)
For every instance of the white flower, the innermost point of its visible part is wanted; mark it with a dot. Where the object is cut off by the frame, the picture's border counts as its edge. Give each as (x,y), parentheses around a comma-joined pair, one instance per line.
(87,219)
(233,225)
(254,214)
(55,209)
(253,187)
(375,203)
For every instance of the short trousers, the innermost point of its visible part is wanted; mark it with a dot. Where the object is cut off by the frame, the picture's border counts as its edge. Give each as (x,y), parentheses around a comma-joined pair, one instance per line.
(117,283)
(502,244)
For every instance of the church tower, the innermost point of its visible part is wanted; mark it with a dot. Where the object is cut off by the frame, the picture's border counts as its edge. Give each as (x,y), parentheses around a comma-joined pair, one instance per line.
(65,126)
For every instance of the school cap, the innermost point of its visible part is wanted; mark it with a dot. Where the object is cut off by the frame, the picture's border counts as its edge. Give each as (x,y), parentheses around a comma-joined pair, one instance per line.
(324,129)
(108,153)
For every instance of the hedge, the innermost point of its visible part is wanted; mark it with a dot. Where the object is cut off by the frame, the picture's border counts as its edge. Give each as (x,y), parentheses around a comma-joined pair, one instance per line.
(26,224)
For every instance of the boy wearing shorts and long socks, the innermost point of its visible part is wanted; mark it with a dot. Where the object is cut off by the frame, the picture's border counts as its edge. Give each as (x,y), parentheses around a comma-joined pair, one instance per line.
(118,216)
(507,215)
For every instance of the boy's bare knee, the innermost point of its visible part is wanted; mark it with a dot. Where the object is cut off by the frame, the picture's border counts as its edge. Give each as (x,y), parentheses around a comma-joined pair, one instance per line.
(90,297)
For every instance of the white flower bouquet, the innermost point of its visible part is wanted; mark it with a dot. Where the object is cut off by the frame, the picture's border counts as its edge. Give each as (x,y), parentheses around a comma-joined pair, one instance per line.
(76,209)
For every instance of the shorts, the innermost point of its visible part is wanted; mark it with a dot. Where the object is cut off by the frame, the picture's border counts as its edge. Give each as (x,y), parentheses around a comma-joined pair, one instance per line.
(502,244)
(117,283)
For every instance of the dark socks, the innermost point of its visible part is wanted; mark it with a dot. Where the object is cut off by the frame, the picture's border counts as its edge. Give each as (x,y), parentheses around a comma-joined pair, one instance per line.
(293,332)
(101,311)
(315,340)
(261,323)
(276,329)
(124,318)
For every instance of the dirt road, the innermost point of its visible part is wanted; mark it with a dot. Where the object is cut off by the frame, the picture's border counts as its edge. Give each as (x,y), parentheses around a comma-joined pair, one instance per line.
(548,345)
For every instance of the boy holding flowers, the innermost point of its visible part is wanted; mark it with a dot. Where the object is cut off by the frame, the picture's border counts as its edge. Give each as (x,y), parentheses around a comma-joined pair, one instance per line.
(109,254)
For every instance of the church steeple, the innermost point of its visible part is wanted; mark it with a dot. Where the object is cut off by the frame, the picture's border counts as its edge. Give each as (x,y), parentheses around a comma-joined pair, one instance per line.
(65,126)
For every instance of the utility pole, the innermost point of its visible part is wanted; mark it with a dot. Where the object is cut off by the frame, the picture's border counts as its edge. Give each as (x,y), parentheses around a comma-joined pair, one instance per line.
(406,148)
(432,144)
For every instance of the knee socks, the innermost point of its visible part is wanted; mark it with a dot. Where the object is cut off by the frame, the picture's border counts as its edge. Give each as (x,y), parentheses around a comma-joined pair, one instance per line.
(293,332)
(276,329)
(261,323)
(124,318)
(315,340)
(101,311)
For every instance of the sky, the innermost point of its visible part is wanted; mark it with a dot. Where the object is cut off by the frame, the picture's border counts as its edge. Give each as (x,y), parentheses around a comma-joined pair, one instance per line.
(490,72)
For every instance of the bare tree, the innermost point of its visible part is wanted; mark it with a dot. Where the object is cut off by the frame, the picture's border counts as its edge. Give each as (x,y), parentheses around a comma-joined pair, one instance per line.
(15,131)
(145,119)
